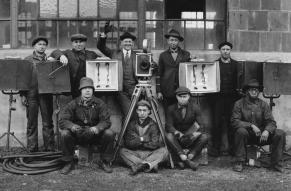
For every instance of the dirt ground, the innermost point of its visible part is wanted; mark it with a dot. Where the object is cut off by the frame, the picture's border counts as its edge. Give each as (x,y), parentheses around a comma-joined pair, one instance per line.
(218,175)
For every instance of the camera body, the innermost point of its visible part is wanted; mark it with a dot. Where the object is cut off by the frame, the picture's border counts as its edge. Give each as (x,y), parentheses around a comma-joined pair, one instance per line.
(143,65)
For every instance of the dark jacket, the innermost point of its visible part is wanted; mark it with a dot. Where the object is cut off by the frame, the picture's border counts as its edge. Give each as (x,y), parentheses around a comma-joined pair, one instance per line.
(246,113)
(151,136)
(95,114)
(230,77)
(174,120)
(168,80)
(129,77)
(77,65)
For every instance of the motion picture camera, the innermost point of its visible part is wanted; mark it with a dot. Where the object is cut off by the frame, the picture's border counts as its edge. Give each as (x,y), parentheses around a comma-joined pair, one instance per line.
(144,65)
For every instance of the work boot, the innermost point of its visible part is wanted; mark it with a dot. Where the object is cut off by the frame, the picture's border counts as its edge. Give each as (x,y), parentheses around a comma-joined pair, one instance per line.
(238,167)
(181,165)
(137,168)
(68,168)
(277,168)
(105,166)
(191,164)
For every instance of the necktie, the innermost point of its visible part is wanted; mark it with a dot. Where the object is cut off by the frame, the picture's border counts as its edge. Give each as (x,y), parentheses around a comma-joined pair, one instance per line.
(126,59)
(183,111)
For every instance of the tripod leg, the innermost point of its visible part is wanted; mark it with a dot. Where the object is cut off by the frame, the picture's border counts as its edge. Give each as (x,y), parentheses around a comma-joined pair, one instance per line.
(19,141)
(127,119)
(157,117)
(57,121)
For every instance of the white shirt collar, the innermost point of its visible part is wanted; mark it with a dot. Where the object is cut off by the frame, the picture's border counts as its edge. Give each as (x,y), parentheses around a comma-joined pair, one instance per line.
(125,51)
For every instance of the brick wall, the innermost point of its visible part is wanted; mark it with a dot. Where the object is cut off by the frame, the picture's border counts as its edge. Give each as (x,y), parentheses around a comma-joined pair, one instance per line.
(260,25)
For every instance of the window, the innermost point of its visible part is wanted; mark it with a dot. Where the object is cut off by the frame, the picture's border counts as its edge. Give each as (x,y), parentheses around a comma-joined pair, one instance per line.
(5,20)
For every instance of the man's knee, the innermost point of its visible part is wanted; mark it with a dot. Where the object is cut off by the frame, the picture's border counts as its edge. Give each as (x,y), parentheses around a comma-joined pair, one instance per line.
(170,137)
(241,132)
(204,138)
(66,133)
(108,133)
(279,134)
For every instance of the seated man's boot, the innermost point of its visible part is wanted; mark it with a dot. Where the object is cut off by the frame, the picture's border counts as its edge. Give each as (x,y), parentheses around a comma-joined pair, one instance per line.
(105,166)
(181,165)
(138,168)
(191,164)
(238,167)
(277,167)
(68,168)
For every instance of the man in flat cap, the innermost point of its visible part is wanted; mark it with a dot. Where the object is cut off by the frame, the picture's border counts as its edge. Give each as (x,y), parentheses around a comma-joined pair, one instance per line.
(86,121)
(77,57)
(32,100)
(230,74)
(169,61)
(128,58)
(143,146)
(185,128)
(253,123)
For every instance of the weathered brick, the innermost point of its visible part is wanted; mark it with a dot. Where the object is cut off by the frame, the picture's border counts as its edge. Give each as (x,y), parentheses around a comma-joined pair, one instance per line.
(249,41)
(233,4)
(286,42)
(271,4)
(285,5)
(238,19)
(250,4)
(270,41)
(278,21)
(258,20)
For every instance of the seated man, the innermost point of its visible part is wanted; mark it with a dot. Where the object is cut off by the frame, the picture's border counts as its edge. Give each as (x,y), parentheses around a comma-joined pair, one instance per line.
(86,120)
(253,123)
(143,149)
(185,129)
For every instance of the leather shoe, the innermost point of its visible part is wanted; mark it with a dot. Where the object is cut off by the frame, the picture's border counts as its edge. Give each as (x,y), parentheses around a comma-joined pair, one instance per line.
(137,168)
(191,164)
(181,165)
(104,166)
(238,167)
(68,168)
(277,168)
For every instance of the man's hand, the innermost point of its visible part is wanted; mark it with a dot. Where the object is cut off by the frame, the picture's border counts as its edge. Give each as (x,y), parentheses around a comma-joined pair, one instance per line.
(178,134)
(51,59)
(196,134)
(103,58)
(94,130)
(144,139)
(256,130)
(76,128)
(64,60)
(160,96)
(264,136)
(24,101)
(107,27)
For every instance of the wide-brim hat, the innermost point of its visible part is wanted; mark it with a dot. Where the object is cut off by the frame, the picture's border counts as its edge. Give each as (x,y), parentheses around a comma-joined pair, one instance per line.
(144,103)
(81,37)
(85,83)
(37,39)
(182,90)
(253,83)
(174,33)
(127,35)
(223,44)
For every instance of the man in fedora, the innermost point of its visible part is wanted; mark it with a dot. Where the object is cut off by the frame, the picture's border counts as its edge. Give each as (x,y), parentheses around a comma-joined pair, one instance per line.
(76,58)
(169,61)
(253,123)
(143,147)
(184,125)
(86,121)
(223,101)
(128,58)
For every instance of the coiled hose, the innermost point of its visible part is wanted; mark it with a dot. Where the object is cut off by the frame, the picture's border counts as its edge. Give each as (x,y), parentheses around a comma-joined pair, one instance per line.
(33,163)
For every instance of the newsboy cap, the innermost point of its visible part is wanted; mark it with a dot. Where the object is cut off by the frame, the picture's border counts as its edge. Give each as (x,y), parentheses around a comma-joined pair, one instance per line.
(85,83)
(174,33)
(253,83)
(127,35)
(182,90)
(39,38)
(81,37)
(144,103)
(225,43)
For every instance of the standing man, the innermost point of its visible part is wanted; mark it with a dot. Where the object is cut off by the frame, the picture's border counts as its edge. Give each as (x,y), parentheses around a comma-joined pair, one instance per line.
(84,121)
(169,61)
(185,129)
(253,123)
(127,57)
(223,101)
(144,148)
(32,100)
(77,57)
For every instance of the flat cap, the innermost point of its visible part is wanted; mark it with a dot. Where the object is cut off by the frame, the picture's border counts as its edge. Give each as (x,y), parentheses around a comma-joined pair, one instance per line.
(39,38)
(78,37)
(252,83)
(182,90)
(86,82)
(144,103)
(225,43)
(127,35)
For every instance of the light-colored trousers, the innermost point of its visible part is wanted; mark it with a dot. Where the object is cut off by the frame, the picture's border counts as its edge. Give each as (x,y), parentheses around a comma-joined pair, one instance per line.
(152,158)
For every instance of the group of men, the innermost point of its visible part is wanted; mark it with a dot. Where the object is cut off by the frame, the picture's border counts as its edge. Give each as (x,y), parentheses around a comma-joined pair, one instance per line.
(86,119)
